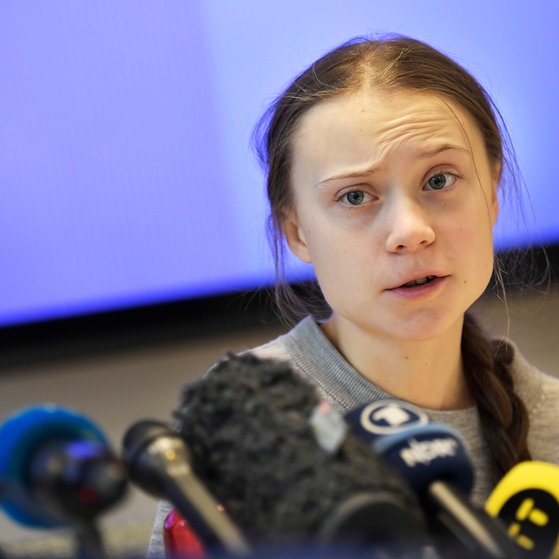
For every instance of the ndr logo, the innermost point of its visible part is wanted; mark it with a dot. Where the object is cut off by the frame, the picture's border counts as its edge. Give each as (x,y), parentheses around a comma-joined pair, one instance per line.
(387,416)
(424,452)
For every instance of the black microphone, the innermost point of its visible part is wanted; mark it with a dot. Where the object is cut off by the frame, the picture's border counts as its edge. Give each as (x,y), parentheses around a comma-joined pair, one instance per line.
(159,462)
(286,468)
(58,470)
(434,460)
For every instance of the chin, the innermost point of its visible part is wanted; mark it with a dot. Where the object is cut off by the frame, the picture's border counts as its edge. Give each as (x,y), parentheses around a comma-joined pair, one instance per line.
(427,329)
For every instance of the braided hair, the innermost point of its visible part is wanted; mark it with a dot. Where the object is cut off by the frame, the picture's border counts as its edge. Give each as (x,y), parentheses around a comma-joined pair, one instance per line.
(503,415)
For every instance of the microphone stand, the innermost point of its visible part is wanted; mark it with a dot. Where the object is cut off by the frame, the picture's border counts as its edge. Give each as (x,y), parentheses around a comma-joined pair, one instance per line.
(88,541)
(3,487)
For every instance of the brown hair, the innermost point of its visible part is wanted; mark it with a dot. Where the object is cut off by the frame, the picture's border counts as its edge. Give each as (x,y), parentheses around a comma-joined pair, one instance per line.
(397,63)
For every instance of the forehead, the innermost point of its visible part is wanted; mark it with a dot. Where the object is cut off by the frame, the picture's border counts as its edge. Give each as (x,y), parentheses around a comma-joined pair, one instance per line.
(364,127)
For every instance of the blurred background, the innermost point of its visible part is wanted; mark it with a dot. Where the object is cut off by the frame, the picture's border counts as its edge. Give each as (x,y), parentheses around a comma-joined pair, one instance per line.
(132,207)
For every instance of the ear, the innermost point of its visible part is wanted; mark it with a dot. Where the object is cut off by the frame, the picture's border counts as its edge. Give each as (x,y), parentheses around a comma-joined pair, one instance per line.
(295,237)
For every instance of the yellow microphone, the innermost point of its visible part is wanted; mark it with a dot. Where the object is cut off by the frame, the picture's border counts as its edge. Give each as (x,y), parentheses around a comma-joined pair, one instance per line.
(527,501)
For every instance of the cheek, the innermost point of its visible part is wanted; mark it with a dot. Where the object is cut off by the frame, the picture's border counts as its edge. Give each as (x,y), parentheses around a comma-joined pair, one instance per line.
(472,249)
(470,236)
(345,266)
(332,245)
(471,222)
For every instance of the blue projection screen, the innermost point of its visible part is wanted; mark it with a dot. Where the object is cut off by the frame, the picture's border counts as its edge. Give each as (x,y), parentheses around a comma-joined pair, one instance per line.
(126,171)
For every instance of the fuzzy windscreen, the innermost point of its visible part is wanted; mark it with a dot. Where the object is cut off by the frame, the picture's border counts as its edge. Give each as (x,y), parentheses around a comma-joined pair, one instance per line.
(247,425)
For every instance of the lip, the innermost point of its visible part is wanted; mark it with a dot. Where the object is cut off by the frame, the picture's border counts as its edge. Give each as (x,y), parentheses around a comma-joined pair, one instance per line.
(419,290)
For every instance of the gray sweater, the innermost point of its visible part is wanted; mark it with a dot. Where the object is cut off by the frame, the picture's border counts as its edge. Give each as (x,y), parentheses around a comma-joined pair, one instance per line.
(313,356)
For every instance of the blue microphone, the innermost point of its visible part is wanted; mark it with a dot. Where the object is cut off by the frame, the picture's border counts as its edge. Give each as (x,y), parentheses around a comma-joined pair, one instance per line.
(433,458)
(58,470)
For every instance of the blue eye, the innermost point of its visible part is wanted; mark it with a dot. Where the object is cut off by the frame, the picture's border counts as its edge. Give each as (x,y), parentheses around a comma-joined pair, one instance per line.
(355,197)
(440,181)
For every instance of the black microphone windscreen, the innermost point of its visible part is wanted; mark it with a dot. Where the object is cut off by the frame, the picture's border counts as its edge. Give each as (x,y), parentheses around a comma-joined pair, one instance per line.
(247,424)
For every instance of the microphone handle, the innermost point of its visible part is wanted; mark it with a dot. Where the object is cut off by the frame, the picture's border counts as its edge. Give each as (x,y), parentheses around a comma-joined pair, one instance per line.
(89,542)
(478,532)
(199,508)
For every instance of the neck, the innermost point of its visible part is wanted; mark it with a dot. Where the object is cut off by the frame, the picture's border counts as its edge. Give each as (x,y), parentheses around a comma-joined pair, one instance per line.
(427,373)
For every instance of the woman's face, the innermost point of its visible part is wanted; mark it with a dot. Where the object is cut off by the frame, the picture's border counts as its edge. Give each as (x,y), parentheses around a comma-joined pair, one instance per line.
(394,205)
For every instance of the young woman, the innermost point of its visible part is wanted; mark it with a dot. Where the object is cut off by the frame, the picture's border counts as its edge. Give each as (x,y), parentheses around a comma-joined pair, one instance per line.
(384,160)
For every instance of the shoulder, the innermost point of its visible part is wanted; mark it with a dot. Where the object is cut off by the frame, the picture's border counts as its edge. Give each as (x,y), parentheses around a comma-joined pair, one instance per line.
(156,547)
(313,357)
(540,393)
(302,343)
(535,387)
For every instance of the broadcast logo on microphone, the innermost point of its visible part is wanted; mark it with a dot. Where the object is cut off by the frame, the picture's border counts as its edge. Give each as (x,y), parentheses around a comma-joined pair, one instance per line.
(527,501)
(387,417)
(421,441)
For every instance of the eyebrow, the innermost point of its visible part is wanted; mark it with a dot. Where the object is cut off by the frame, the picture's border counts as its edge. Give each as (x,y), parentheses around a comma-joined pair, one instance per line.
(441,149)
(372,170)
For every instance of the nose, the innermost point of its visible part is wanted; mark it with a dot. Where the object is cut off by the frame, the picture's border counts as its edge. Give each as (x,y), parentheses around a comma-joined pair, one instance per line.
(409,226)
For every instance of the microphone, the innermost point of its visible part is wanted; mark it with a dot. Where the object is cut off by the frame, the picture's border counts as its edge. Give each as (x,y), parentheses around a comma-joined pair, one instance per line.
(57,470)
(286,468)
(159,460)
(433,459)
(179,538)
(527,502)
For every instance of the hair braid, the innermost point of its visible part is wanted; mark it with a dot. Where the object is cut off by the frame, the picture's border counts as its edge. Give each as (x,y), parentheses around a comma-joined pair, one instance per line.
(503,415)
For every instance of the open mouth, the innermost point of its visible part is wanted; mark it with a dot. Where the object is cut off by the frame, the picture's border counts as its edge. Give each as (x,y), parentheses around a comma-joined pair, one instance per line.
(417,282)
